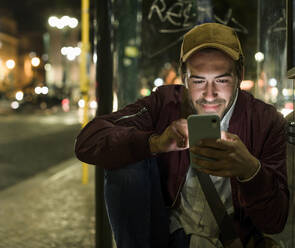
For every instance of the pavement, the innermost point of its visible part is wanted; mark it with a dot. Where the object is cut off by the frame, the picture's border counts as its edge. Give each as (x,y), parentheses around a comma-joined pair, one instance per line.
(51,209)
(55,210)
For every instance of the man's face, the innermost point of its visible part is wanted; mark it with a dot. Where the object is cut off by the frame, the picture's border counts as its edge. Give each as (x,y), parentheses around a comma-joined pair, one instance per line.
(211,81)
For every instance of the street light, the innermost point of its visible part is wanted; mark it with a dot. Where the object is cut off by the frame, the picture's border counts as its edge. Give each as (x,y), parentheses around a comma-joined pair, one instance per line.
(63,22)
(71,52)
(35,61)
(10,64)
(47,67)
(259,56)
(52,21)
(19,95)
(158,82)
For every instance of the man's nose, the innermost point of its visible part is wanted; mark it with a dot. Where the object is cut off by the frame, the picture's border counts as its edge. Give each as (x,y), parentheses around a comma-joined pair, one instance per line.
(209,92)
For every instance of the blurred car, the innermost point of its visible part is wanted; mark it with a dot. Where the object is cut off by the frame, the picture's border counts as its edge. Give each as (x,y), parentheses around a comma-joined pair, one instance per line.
(27,101)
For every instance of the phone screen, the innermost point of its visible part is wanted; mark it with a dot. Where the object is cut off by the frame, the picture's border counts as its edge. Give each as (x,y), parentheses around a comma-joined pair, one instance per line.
(201,127)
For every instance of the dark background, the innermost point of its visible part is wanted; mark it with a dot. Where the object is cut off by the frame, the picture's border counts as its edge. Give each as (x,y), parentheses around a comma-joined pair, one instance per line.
(32,15)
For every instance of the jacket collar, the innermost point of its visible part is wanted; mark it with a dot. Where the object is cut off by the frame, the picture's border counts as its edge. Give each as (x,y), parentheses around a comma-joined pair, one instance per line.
(239,110)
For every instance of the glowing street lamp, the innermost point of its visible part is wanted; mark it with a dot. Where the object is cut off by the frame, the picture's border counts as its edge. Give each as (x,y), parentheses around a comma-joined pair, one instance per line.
(10,64)
(63,22)
(158,82)
(52,21)
(19,95)
(71,52)
(259,56)
(35,61)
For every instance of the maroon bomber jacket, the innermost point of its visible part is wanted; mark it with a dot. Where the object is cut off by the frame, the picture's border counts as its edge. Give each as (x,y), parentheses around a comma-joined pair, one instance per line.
(121,138)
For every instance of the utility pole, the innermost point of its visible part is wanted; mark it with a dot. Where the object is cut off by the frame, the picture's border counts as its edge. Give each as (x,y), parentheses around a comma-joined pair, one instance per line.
(84,75)
(104,80)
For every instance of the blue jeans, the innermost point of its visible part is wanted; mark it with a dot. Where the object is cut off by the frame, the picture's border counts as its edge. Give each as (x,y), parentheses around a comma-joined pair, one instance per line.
(136,210)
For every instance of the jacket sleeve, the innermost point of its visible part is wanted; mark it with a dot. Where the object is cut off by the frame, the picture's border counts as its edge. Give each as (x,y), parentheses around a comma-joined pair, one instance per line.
(120,138)
(265,198)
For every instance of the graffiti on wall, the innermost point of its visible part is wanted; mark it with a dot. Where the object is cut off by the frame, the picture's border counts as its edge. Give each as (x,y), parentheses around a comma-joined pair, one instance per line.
(178,15)
(168,20)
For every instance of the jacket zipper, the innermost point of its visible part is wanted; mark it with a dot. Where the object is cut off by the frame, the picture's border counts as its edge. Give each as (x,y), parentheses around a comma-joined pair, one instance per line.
(176,197)
(179,189)
(140,112)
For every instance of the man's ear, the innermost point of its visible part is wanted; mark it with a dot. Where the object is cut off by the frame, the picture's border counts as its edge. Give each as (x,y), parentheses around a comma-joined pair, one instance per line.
(182,73)
(183,77)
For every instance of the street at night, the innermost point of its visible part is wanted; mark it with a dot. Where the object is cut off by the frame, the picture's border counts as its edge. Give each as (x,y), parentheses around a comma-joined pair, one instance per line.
(142,69)
(32,143)
(42,198)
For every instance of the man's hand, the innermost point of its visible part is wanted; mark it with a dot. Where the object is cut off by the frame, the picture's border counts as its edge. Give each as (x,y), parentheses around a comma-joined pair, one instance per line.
(174,138)
(232,158)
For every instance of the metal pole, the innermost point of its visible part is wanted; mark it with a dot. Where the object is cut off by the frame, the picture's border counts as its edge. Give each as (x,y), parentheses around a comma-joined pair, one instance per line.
(84,77)
(104,77)
(104,70)
(258,65)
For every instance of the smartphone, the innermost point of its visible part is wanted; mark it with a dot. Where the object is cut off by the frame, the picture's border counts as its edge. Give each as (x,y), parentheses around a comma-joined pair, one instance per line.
(202,127)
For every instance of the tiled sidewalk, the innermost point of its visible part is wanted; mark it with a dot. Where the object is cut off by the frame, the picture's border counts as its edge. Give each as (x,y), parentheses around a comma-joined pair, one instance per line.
(55,210)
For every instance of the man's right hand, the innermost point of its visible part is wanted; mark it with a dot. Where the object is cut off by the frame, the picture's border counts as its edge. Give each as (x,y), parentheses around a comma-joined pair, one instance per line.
(174,138)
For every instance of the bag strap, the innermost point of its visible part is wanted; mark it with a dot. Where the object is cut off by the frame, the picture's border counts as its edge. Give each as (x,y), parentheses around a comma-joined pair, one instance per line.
(228,235)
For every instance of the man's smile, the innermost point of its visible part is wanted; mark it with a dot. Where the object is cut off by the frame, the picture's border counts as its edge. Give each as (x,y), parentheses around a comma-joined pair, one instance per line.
(210,107)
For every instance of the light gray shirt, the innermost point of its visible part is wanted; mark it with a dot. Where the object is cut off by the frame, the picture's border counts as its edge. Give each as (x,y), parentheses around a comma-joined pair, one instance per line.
(194,214)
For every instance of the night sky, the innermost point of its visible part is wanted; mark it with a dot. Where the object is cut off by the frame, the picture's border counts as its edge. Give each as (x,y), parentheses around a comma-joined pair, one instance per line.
(32,15)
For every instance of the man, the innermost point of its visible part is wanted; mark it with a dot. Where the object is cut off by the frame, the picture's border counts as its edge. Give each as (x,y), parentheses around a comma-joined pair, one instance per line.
(153,196)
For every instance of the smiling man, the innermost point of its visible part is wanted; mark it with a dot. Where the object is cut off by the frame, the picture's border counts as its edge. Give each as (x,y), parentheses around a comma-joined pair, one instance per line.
(212,81)
(153,196)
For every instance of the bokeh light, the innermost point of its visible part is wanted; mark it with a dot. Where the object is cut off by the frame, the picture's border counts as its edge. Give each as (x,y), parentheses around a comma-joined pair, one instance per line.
(10,64)
(35,61)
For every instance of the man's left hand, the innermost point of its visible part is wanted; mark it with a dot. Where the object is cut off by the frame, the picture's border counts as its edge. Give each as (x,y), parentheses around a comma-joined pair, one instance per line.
(231,157)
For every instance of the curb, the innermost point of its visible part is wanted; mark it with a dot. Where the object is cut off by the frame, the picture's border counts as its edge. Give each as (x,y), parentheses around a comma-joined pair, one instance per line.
(52,173)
